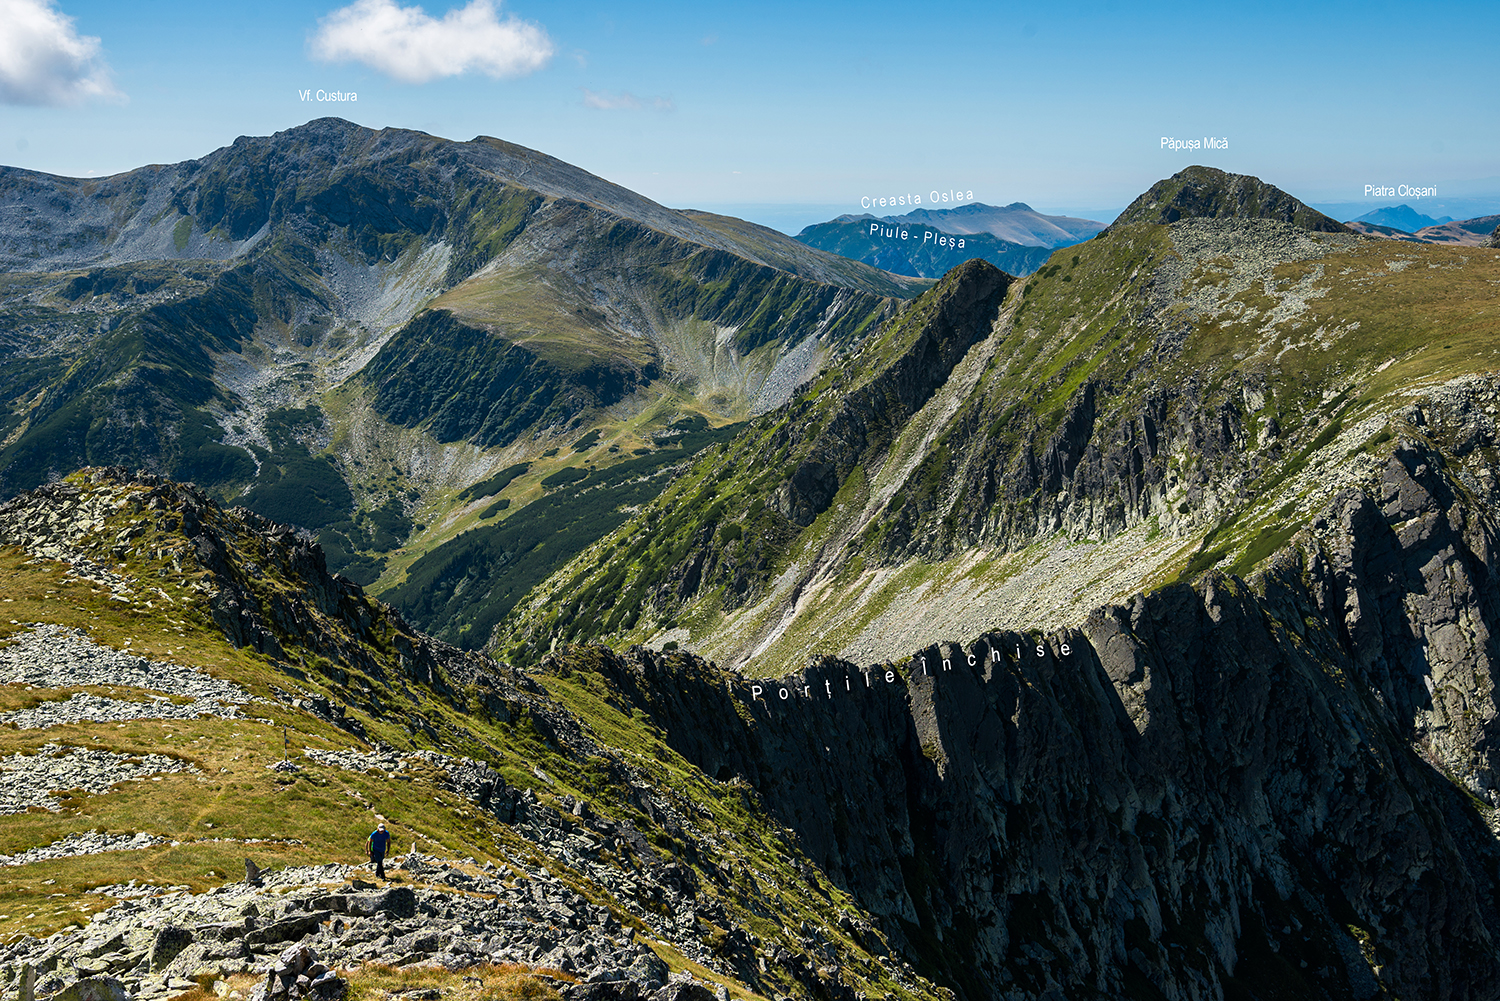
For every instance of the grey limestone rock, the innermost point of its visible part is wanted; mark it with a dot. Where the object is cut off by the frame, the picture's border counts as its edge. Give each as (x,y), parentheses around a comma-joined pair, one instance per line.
(297,935)
(648,970)
(166,944)
(85,843)
(682,991)
(57,657)
(30,779)
(93,989)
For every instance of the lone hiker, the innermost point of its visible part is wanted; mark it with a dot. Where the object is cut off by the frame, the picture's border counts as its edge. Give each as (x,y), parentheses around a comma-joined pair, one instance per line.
(378,841)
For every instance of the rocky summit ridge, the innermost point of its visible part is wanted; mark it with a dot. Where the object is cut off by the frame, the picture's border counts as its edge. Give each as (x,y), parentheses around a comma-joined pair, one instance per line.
(321,172)
(1199,192)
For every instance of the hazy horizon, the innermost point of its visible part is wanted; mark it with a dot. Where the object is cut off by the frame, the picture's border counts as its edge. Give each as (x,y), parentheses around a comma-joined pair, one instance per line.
(784,104)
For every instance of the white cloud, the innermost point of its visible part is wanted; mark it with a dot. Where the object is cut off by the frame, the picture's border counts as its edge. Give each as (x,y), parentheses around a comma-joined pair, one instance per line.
(410,45)
(43,60)
(611,102)
(625,101)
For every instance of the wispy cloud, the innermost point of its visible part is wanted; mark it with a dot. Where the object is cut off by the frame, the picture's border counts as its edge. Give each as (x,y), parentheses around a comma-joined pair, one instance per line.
(44,61)
(625,101)
(412,46)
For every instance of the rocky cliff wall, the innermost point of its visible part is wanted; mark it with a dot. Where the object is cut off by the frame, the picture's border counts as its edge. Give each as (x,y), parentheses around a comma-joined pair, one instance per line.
(1217,790)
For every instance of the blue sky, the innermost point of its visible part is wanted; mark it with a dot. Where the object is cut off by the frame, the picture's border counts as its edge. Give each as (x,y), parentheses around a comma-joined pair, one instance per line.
(782,111)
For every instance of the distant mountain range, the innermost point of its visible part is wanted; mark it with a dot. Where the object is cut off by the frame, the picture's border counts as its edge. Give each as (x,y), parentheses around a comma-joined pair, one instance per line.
(1464,232)
(926,243)
(1402,217)
(1016,223)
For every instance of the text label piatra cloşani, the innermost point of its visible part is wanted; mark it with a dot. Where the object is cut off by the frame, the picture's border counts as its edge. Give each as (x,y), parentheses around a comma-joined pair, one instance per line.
(1399,191)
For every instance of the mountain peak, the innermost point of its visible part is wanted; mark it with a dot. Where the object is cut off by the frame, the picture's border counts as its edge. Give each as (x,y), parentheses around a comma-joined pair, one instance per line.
(1402,217)
(1209,193)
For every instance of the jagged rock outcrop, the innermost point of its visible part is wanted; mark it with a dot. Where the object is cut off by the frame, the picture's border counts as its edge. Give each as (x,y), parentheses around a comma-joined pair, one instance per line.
(1404,576)
(296,932)
(1194,799)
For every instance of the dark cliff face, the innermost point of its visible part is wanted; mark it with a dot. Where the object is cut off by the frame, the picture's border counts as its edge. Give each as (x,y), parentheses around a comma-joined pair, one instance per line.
(1215,789)
(1404,573)
(1208,193)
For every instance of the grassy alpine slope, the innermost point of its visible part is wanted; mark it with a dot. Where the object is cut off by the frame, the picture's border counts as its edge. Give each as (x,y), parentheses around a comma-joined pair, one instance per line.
(159,571)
